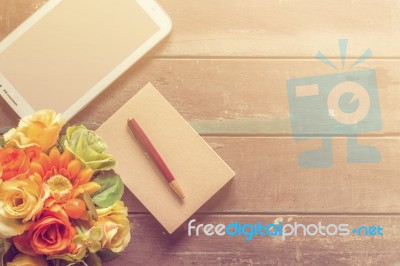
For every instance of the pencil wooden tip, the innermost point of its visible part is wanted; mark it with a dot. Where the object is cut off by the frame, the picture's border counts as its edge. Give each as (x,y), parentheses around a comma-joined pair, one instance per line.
(175,186)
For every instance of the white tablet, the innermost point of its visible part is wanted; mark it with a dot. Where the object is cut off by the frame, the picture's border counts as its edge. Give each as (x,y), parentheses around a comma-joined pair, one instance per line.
(69,51)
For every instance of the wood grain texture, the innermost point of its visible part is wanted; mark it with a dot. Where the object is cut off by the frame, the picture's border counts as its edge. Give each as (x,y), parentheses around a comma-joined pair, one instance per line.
(268,178)
(152,246)
(257,28)
(224,68)
(250,93)
(14,12)
(238,96)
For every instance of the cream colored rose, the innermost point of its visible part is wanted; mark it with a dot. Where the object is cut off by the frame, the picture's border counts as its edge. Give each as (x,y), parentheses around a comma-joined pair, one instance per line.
(26,260)
(40,129)
(22,199)
(116,227)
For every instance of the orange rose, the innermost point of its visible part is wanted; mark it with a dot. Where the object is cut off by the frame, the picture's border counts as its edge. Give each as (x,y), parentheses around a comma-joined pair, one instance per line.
(14,164)
(40,129)
(33,152)
(21,242)
(52,234)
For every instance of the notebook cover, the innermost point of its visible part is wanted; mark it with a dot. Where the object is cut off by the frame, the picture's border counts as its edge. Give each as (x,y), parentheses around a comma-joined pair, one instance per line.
(197,168)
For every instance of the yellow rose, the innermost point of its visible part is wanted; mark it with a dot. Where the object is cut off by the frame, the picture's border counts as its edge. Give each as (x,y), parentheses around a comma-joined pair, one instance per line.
(22,199)
(116,227)
(26,260)
(40,129)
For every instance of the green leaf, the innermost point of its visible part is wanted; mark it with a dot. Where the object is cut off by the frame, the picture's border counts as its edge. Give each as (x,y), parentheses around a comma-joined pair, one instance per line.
(93,260)
(90,206)
(60,143)
(2,142)
(111,190)
(106,254)
(61,262)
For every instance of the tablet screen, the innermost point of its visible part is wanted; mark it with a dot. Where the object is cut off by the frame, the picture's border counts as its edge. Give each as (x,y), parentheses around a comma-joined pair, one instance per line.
(56,61)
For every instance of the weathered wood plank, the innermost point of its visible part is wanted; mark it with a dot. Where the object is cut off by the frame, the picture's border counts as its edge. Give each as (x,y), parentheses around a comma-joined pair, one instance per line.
(257,28)
(268,178)
(14,12)
(267,171)
(151,245)
(281,28)
(236,96)
(261,159)
(248,97)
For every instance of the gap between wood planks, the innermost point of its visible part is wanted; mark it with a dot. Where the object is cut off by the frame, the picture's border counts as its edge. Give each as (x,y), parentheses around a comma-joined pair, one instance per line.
(247,213)
(261,57)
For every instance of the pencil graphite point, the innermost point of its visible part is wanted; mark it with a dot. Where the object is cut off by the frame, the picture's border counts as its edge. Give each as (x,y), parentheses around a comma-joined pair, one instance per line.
(175,186)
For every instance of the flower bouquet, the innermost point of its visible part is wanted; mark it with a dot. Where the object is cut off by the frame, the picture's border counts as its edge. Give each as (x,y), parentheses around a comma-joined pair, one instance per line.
(60,201)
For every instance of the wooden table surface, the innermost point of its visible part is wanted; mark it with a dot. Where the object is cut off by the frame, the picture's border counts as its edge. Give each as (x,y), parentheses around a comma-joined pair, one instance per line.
(224,68)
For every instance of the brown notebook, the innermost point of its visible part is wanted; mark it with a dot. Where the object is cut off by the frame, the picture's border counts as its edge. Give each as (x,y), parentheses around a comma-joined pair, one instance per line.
(197,168)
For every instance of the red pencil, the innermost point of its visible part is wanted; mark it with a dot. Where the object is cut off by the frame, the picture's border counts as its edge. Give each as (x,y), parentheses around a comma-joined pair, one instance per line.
(151,151)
